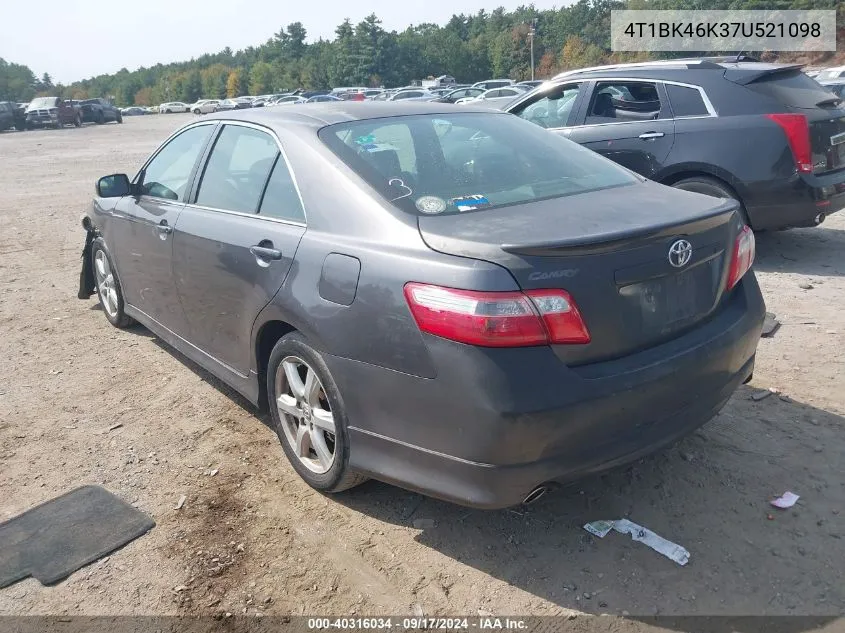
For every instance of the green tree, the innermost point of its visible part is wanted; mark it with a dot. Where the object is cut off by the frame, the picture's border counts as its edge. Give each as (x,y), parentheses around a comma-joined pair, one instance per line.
(260,78)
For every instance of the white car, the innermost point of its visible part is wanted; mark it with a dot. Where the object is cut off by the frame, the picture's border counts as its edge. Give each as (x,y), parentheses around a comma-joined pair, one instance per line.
(289,100)
(174,106)
(204,106)
(496,93)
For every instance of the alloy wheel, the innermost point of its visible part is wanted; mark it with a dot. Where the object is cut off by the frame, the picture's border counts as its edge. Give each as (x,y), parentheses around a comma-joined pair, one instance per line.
(106,283)
(305,414)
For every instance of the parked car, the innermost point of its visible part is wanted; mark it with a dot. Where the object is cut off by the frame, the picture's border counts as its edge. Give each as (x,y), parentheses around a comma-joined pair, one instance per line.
(413,93)
(11,116)
(496,93)
(540,313)
(829,74)
(489,84)
(99,111)
(460,93)
(837,87)
(174,106)
(531,84)
(288,100)
(152,109)
(238,103)
(763,134)
(322,98)
(52,112)
(133,111)
(204,106)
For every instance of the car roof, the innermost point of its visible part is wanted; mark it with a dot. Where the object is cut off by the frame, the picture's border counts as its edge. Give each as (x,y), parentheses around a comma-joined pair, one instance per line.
(696,63)
(330,113)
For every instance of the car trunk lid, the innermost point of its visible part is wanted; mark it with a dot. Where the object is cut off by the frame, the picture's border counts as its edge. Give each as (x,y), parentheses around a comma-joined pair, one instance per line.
(610,250)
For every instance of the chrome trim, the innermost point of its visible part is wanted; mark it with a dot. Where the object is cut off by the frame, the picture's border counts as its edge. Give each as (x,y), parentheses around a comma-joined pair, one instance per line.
(707,103)
(272,133)
(258,216)
(249,124)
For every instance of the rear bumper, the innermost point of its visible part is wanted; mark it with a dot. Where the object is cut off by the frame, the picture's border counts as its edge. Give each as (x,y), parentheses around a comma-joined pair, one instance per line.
(799,201)
(496,423)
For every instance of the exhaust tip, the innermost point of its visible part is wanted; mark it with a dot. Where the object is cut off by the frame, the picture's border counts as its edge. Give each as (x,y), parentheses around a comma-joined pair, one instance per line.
(535,494)
(819,218)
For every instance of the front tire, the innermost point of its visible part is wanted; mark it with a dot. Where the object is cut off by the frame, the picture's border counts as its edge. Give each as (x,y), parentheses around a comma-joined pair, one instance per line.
(108,286)
(309,416)
(119,118)
(78,121)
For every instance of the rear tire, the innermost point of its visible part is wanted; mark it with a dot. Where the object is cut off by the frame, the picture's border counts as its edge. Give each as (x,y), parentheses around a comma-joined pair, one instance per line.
(108,286)
(78,121)
(712,187)
(301,426)
(119,118)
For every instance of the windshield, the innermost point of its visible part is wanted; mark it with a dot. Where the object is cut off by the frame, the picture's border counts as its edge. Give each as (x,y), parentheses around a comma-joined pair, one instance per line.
(453,163)
(42,102)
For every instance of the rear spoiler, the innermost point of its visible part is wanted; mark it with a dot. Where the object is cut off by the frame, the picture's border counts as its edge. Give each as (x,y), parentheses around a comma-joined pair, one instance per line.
(744,75)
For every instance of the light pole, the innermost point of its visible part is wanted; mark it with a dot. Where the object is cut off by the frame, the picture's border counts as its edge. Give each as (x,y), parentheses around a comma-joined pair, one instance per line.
(531,38)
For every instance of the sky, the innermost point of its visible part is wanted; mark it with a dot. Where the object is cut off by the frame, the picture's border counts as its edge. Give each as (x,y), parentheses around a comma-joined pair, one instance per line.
(77,39)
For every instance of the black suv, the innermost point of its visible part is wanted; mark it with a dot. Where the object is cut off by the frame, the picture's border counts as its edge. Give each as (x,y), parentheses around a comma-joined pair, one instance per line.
(99,111)
(767,135)
(11,116)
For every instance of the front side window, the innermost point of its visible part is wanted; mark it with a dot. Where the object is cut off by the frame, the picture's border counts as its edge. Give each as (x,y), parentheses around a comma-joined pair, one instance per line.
(237,169)
(554,109)
(614,102)
(453,163)
(168,174)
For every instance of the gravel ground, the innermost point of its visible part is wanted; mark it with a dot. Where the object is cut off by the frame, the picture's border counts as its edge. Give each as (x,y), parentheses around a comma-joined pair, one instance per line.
(253,538)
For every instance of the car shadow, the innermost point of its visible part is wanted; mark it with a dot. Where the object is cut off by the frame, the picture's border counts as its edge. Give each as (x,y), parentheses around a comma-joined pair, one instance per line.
(709,493)
(208,377)
(813,251)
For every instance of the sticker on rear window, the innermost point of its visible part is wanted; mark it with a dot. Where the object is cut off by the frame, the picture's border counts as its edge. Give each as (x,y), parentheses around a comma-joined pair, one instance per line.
(365,140)
(468,203)
(430,205)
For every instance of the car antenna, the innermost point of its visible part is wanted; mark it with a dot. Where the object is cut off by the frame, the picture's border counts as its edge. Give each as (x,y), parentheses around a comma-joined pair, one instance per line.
(738,55)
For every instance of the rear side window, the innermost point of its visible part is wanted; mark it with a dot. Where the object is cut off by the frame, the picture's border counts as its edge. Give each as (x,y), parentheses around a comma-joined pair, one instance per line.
(281,199)
(792,88)
(686,101)
(237,169)
(459,162)
(624,101)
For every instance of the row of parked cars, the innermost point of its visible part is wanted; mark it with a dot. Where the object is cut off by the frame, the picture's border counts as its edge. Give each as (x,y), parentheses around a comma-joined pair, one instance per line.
(55,112)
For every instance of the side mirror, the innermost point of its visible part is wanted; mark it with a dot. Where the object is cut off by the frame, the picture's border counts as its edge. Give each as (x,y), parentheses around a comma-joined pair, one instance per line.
(114,186)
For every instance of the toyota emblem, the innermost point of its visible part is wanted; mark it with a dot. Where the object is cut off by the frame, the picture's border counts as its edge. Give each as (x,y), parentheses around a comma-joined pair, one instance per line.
(680,253)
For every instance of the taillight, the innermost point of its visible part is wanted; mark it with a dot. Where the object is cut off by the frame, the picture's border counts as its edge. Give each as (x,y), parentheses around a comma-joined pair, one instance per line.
(797,132)
(743,256)
(497,319)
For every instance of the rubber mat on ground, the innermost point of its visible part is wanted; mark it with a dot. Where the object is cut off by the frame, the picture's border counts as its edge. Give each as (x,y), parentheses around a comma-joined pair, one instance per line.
(54,539)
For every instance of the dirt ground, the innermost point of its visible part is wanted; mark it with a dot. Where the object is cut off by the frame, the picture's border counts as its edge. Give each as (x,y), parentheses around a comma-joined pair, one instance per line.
(254,538)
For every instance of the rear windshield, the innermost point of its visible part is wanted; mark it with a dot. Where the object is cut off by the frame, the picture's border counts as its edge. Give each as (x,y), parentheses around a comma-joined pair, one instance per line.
(452,163)
(793,88)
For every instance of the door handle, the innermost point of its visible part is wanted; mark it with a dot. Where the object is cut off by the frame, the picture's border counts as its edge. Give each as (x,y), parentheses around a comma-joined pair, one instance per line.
(163,228)
(650,135)
(266,253)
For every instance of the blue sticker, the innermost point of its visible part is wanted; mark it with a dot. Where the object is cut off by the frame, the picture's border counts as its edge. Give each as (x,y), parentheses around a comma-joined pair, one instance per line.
(468,203)
(365,140)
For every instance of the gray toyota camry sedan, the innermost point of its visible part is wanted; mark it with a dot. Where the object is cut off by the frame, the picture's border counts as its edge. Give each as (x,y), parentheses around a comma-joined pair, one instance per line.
(448,299)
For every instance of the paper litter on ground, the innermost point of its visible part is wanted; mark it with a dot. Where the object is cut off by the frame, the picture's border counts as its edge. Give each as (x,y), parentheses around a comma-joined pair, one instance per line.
(786,500)
(643,535)
(599,528)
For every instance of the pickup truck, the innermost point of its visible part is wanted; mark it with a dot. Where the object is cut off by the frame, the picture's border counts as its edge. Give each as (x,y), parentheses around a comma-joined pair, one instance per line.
(52,112)
(99,111)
